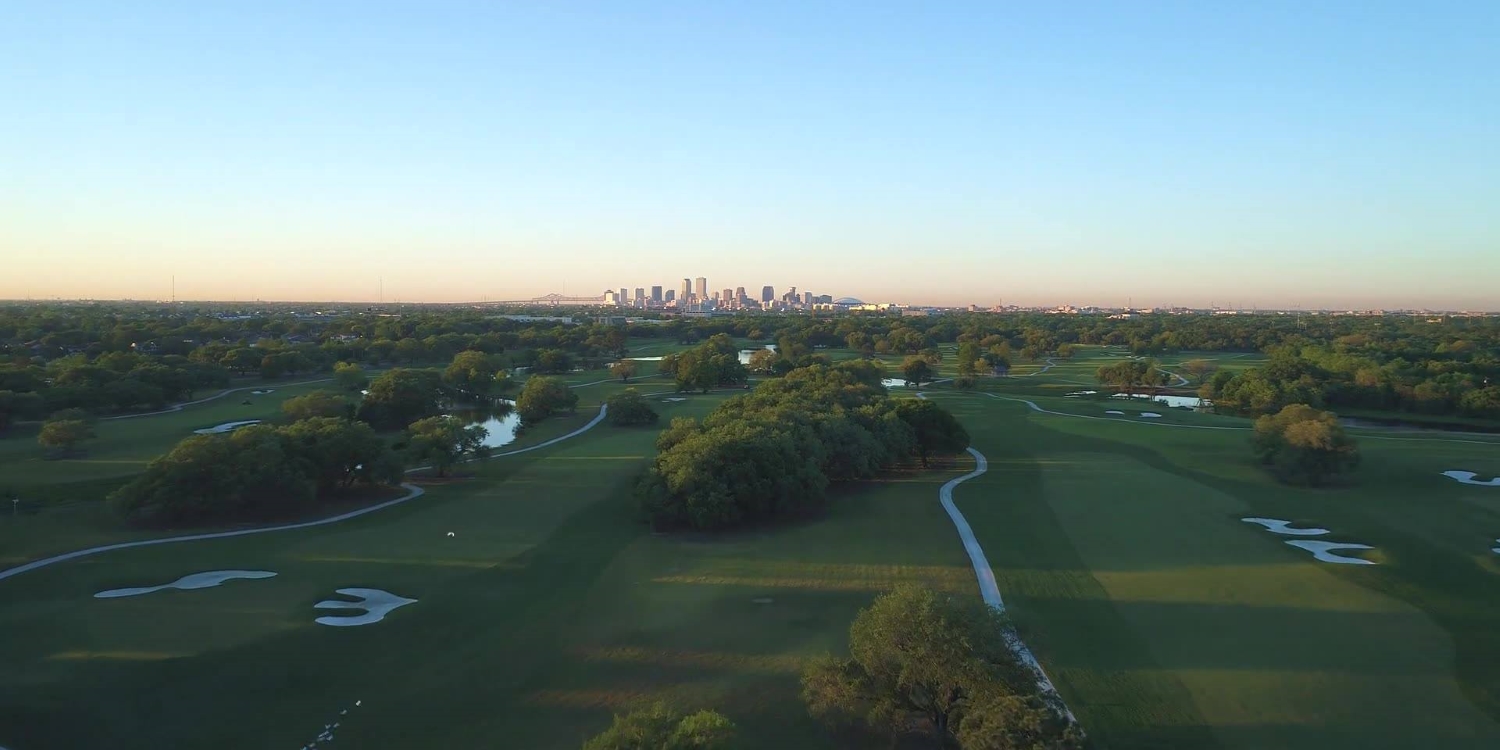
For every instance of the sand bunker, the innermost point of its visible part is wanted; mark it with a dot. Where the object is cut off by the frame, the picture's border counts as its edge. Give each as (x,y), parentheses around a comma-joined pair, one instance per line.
(1278,526)
(226,427)
(674,399)
(1082,393)
(262,393)
(188,583)
(1150,415)
(1114,411)
(1323,551)
(376,603)
(1495,550)
(1467,477)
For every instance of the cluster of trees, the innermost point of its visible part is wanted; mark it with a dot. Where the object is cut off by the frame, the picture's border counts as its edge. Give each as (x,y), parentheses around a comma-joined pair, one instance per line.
(1132,375)
(63,431)
(661,728)
(1455,378)
(1304,446)
(713,364)
(542,397)
(111,382)
(445,441)
(924,663)
(629,408)
(771,453)
(256,473)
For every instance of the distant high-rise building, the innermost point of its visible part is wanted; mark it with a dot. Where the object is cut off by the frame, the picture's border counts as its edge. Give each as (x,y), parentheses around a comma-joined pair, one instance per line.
(640,295)
(623,298)
(687,291)
(702,289)
(656,294)
(739,294)
(768,294)
(791,297)
(729,296)
(671,296)
(807,298)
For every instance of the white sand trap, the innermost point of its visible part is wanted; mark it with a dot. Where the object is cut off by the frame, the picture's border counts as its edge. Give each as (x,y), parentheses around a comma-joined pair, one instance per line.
(376,603)
(1278,526)
(226,427)
(1467,477)
(262,393)
(1495,550)
(1115,411)
(1150,415)
(1082,393)
(674,399)
(188,583)
(1323,551)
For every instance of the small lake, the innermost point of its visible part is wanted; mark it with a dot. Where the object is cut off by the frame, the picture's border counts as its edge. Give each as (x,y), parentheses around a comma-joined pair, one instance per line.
(1186,402)
(502,421)
(745,353)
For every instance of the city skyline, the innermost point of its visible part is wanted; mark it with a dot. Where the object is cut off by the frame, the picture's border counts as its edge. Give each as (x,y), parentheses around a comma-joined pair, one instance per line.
(1276,155)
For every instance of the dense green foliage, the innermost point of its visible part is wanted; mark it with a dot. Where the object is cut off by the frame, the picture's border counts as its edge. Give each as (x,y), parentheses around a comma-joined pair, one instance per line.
(256,472)
(1302,445)
(1132,375)
(771,453)
(402,396)
(63,435)
(542,397)
(317,404)
(921,662)
(445,441)
(661,728)
(714,363)
(1357,372)
(475,374)
(629,409)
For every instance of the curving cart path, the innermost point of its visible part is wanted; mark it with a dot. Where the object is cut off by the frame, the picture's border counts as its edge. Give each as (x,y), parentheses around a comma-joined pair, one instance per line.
(988,588)
(220,394)
(412,492)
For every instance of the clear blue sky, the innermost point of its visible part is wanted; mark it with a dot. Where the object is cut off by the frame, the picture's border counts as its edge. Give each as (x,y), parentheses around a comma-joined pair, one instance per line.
(1269,153)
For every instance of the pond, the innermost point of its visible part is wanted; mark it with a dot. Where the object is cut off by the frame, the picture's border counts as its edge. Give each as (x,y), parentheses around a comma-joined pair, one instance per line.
(1186,402)
(745,353)
(501,420)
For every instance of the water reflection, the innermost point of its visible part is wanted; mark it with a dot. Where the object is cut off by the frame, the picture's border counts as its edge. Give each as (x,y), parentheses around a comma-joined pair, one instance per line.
(745,353)
(501,420)
(1186,402)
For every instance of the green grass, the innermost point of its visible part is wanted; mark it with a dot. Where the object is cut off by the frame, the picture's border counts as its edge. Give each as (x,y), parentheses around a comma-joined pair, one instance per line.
(124,446)
(1165,620)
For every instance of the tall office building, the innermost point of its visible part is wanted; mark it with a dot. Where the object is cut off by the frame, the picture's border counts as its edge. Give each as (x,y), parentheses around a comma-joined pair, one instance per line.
(687,291)
(623,298)
(739,294)
(702,289)
(791,297)
(640,296)
(768,294)
(656,294)
(728,300)
(807,298)
(671,296)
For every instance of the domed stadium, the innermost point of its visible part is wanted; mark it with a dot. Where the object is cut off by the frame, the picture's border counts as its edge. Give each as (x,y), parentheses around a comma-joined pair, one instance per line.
(847,301)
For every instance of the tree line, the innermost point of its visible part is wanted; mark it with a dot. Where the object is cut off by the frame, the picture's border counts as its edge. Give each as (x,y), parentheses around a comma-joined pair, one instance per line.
(771,453)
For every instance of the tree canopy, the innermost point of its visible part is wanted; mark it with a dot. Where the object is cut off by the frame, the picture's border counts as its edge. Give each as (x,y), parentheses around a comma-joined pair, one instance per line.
(629,409)
(1302,445)
(445,441)
(772,452)
(922,662)
(661,728)
(542,397)
(402,396)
